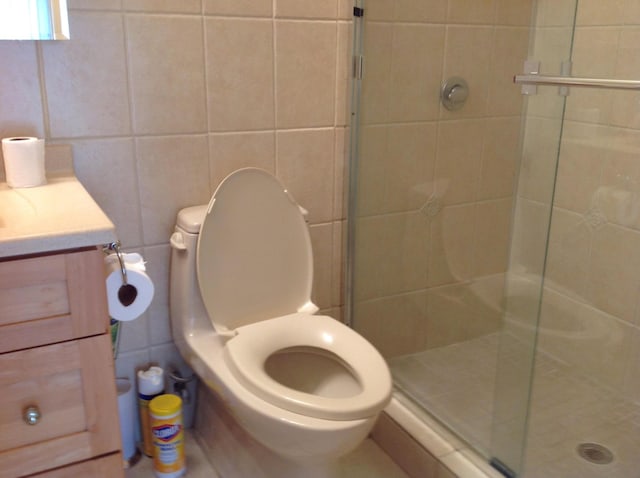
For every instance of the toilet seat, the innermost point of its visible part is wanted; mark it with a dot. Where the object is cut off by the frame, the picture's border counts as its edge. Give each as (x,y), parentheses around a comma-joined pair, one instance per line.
(247,353)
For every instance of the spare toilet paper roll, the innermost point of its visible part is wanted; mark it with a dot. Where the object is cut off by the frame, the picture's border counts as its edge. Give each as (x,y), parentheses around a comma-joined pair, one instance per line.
(127,302)
(23,161)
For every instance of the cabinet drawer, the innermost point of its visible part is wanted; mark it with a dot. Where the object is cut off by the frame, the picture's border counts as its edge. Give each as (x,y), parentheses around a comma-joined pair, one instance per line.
(51,299)
(71,385)
(106,467)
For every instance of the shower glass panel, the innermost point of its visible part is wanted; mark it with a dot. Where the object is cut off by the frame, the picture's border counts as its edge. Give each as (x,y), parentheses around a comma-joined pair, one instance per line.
(583,419)
(450,210)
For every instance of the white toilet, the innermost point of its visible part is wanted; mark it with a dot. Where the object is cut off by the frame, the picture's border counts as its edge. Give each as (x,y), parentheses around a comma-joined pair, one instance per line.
(305,386)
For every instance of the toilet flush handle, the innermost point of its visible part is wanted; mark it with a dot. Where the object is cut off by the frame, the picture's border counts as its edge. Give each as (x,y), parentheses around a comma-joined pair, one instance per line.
(177,241)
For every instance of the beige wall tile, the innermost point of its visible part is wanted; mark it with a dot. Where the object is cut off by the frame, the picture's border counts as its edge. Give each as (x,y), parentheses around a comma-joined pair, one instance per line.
(381,10)
(580,166)
(620,184)
(539,159)
(492,235)
(305,83)
(372,164)
(240,74)
(94,4)
(500,156)
(458,161)
(570,241)
(395,260)
(514,12)
(322,243)
(455,314)
(376,90)
(468,55)
(167,74)
(594,12)
(632,13)
(632,376)
(415,79)
(87,83)
(471,11)
(248,8)
(164,6)
(345,9)
(594,55)
(555,12)
(305,164)
(339,262)
(624,111)
(614,272)
(344,67)
(107,169)
(403,335)
(340,187)
(529,243)
(451,245)
(327,9)
(431,11)
(21,112)
(173,174)
(231,151)
(508,50)
(409,170)
(158,263)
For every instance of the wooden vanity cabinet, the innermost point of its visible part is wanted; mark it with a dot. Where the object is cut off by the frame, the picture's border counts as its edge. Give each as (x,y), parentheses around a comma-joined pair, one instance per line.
(56,368)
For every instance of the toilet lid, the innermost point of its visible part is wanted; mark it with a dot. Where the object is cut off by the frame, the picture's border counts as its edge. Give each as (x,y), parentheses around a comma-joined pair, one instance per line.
(254,259)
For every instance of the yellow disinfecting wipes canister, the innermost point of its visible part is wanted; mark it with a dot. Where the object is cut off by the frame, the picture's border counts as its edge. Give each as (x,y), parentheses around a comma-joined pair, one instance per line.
(167,435)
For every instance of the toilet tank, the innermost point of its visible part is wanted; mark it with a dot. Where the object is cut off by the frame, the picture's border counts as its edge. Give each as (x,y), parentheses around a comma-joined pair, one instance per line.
(187,311)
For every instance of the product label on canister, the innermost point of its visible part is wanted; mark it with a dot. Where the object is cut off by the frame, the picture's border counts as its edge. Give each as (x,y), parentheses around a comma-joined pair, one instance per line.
(145,422)
(168,444)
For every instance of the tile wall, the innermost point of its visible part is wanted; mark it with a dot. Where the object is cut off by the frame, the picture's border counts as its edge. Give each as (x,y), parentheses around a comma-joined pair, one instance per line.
(161,99)
(436,186)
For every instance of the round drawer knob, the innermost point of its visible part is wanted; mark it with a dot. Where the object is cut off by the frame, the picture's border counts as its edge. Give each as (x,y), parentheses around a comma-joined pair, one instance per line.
(31,415)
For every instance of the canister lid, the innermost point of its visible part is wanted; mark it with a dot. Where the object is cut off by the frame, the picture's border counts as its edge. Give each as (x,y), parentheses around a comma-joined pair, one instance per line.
(151,382)
(166,404)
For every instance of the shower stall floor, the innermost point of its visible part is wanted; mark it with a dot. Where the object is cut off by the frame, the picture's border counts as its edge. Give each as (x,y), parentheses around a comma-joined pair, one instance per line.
(456,384)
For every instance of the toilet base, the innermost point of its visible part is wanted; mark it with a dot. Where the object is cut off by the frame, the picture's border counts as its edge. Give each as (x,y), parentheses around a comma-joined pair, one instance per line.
(235,454)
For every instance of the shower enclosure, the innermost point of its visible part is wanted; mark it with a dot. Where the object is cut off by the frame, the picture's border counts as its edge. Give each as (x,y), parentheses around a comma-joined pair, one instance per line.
(494,237)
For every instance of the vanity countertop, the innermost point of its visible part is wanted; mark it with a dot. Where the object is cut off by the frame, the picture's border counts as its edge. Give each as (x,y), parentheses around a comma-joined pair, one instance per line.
(56,216)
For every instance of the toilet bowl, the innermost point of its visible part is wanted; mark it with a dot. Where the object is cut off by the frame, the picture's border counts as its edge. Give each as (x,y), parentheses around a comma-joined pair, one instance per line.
(305,386)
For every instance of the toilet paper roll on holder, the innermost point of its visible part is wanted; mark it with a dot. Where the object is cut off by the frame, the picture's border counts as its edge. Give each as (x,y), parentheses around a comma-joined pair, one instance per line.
(127,293)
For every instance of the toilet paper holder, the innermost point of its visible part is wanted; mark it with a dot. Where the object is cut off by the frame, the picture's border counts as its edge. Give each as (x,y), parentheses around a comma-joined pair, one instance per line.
(126,293)
(115,247)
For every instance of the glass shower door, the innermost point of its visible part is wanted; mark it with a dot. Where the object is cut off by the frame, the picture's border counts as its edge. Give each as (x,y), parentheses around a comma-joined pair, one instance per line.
(584,401)
(447,205)
(550,52)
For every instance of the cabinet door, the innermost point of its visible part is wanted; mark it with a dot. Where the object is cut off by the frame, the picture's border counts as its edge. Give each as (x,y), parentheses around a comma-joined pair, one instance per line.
(71,386)
(106,467)
(52,298)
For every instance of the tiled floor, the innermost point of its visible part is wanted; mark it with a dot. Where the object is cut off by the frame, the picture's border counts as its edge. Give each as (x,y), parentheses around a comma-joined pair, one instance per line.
(367,461)
(456,384)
